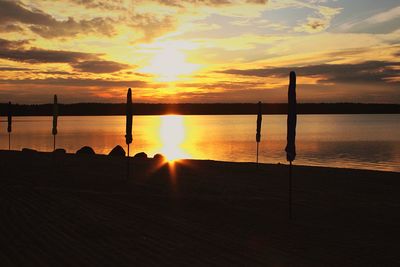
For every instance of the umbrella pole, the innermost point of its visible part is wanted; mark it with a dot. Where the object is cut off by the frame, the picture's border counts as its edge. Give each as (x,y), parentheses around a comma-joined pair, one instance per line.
(257,154)
(290,191)
(9,141)
(54,142)
(127,168)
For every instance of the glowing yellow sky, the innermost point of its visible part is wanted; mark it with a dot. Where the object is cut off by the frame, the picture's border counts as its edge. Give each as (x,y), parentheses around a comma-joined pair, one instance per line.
(199,50)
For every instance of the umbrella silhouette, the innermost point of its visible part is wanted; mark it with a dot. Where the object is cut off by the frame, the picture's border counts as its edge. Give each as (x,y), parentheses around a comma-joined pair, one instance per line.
(128,135)
(291,132)
(259,120)
(55,116)
(9,124)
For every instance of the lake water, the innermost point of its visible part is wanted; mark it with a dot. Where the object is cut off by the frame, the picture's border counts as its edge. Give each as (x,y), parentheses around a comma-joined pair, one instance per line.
(351,141)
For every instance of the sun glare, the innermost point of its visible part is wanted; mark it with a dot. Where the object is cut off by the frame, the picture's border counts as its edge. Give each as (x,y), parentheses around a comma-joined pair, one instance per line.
(172,135)
(169,64)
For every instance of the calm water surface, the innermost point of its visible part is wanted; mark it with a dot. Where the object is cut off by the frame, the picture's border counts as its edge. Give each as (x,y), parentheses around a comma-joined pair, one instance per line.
(353,141)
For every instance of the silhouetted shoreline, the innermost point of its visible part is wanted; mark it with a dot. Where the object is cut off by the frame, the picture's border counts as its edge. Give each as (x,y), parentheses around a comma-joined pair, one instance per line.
(98,109)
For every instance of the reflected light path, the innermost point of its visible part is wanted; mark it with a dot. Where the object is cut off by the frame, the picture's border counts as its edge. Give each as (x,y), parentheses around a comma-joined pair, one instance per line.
(172,136)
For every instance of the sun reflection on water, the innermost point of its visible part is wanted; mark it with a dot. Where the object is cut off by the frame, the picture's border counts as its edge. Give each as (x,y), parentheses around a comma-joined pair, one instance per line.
(172,137)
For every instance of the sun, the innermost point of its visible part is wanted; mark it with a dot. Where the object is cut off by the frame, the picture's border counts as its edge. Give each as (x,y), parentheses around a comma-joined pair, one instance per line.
(169,63)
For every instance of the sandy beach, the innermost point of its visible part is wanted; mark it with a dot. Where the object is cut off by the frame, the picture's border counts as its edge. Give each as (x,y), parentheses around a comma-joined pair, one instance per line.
(76,210)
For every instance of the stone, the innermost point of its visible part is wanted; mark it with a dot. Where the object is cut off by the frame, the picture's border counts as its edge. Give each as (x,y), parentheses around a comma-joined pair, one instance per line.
(140,155)
(159,157)
(117,151)
(86,150)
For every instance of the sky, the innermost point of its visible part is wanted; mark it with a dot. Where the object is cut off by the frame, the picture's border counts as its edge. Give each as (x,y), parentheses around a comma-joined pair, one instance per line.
(194,51)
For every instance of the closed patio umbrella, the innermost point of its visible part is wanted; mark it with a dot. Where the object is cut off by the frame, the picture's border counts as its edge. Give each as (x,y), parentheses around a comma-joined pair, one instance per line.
(291,132)
(55,116)
(9,124)
(259,120)
(128,135)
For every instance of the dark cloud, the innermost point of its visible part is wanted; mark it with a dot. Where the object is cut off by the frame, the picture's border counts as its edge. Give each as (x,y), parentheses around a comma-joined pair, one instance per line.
(365,72)
(226,85)
(47,26)
(69,89)
(23,94)
(36,71)
(348,52)
(43,56)
(55,72)
(307,93)
(36,55)
(13,69)
(10,28)
(261,2)
(316,24)
(7,44)
(244,95)
(180,3)
(76,82)
(83,62)
(147,75)
(101,4)
(99,66)
(13,11)
(70,28)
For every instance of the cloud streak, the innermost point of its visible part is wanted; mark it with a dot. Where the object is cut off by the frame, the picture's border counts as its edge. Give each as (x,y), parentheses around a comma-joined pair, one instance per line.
(99,66)
(37,55)
(365,72)
(214,3)
(77,82)
(16,51)
(101,4)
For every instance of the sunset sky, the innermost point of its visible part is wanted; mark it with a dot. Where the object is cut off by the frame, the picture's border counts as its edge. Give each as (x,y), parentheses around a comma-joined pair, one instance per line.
(199,50)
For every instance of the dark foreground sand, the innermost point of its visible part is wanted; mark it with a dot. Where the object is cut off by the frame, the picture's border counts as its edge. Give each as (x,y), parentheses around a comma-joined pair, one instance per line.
(80,211)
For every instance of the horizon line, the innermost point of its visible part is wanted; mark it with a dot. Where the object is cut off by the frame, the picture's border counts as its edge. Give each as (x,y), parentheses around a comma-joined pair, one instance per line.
(201,103)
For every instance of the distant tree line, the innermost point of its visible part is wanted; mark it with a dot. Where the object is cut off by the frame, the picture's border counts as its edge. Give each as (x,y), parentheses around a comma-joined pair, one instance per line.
(81,109)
